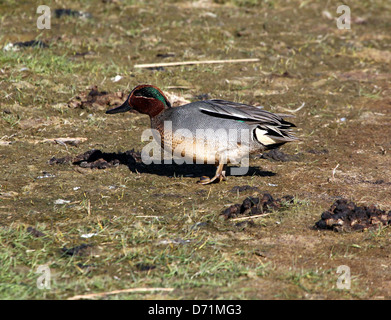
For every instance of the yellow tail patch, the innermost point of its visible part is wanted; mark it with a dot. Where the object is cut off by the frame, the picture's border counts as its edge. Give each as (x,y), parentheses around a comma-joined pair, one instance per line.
(263,138)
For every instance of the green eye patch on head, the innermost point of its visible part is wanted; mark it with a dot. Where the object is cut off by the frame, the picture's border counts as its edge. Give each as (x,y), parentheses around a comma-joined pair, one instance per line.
(150,92)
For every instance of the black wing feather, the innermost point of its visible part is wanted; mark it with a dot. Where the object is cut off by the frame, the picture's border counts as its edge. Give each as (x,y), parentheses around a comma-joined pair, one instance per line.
(273,123)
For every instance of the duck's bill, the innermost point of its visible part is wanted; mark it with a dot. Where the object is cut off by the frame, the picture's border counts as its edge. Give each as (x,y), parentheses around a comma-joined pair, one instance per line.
(122,108)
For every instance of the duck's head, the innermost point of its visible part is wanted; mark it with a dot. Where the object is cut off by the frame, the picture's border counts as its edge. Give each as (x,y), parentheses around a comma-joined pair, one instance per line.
(146,99)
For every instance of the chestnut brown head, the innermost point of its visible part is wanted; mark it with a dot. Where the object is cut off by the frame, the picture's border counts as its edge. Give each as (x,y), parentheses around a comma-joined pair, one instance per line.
(146,99)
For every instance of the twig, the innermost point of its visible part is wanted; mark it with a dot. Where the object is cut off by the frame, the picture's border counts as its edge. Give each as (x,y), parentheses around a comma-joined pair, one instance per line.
(89,207)
(132,290)
(294,111)
(63,141)
(182,63)
(156,217)
(334,170)
(179,87)
(251,217)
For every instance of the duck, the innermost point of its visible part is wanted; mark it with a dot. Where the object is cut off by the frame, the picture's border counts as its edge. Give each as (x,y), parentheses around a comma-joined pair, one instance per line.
(211,131)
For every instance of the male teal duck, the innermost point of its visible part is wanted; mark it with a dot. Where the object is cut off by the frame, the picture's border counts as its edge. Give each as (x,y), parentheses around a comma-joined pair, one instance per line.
(211,131)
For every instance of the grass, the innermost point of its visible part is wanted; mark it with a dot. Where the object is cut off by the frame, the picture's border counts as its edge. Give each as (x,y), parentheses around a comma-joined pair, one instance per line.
(184,259)
(11,119)
(19,263)
(179,265)
(39,61)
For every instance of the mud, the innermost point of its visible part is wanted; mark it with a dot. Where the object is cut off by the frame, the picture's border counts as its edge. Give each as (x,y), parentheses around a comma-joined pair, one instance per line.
(345,215)
(31,43)
(36,233)
(80,250)
(71,13)
(165,55)
(25,44)
(278,155)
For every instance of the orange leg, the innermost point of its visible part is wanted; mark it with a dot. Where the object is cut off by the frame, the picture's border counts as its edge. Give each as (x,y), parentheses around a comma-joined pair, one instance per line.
(220,175)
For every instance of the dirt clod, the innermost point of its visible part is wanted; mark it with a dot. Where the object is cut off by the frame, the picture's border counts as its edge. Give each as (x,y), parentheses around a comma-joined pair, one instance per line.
(62,160)
(256,205)
(36,233)
(316,151)
(71,13)
(96,159)
(96,100)
(26,44)
(31,43)
(345,215)
(144,266)
(80,250)
(165,55)
(236,189)
(245,224)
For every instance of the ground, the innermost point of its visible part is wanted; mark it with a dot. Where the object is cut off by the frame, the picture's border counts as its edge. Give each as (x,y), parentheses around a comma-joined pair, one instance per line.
(100,230)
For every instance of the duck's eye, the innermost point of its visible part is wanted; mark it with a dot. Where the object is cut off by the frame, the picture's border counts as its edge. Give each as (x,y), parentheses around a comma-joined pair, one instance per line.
(139,94)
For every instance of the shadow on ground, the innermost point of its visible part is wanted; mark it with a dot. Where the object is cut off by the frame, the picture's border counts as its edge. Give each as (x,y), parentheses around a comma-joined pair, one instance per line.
(96,159)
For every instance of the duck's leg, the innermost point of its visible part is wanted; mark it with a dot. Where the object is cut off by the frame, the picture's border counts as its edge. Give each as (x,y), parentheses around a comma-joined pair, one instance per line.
(223,177)
(220,174)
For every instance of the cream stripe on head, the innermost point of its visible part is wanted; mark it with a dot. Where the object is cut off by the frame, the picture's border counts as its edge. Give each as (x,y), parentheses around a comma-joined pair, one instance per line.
(263,138)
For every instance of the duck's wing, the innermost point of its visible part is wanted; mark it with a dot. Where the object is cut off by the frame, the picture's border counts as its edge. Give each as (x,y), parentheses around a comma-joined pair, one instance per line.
(272,123)
(244,112)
